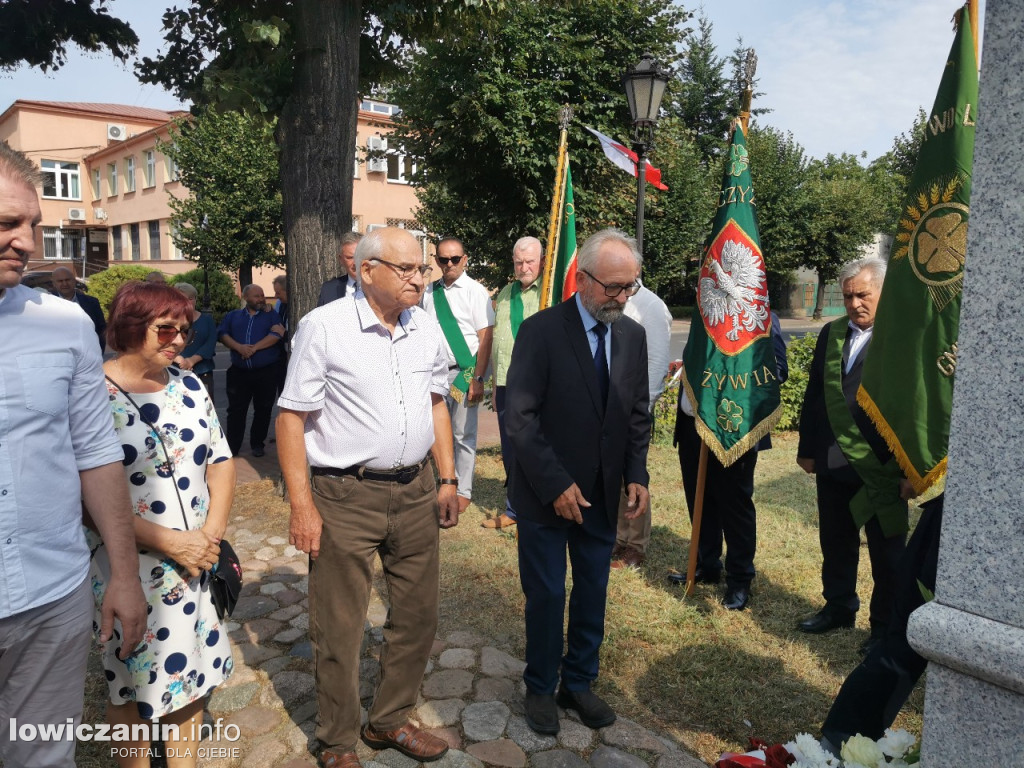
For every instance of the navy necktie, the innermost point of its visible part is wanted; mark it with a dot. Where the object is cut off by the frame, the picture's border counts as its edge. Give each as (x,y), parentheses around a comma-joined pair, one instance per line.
(601,363)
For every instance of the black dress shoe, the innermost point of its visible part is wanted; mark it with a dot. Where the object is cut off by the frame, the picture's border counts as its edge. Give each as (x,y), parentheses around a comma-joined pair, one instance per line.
(828,618)
(736,599)
(874,640)
(259,452)
(700,576)
(593,712)
(541,713)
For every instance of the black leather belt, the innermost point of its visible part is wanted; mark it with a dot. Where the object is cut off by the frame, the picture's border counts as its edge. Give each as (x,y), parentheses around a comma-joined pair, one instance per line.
(402,475)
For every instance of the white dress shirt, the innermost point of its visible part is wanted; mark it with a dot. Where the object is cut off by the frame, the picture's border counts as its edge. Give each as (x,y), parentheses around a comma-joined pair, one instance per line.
(470,304)
(647,309)
(859,338)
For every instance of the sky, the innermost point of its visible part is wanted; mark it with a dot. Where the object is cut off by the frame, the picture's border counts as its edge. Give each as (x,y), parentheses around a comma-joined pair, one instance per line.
(841,75)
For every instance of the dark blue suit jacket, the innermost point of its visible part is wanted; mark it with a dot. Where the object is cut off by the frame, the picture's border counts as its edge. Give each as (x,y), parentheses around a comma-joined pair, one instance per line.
(91,306)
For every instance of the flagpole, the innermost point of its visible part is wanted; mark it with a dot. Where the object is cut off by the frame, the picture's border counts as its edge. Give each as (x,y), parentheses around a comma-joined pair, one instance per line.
(698,511)
(557,198)
(749,68)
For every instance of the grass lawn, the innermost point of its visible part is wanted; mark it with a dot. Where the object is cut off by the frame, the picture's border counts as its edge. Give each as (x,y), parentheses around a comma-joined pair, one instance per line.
(707,676)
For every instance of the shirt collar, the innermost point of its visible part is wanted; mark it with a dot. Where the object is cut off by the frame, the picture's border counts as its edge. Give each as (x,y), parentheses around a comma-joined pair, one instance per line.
(368,319)
(857,330)
(588,319)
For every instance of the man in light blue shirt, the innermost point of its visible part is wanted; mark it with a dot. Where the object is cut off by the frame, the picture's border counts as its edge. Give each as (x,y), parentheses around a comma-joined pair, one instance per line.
(58,451)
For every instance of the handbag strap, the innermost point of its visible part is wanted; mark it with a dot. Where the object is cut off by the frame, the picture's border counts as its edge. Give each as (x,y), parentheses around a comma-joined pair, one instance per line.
(159,436)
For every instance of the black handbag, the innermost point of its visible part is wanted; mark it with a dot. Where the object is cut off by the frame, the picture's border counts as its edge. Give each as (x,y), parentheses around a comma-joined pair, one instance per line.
(225,578)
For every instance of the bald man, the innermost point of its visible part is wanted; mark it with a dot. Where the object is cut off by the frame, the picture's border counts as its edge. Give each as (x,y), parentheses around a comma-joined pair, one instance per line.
(64,286)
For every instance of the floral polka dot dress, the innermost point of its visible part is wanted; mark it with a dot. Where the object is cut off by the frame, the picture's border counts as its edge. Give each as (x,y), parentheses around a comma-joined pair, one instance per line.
(185,652)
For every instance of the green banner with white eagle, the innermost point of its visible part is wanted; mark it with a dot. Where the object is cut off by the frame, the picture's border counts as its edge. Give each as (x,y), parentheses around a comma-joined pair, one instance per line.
(907,386)
(729,373)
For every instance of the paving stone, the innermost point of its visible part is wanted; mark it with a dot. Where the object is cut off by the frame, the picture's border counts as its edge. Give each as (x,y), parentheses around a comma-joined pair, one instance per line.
(671,745)
(377,613)
(272,587)
(392,758)
(610,757)
(265,553)
(429,667)
(679,759)
(302,650)
(249,587)
(299,567)
(254,566)
(440,712)
(240,675)
(305,711)
(261,630)
(298,762)
(291,551)
(280,562)
(289,635)
(272,666)
(457,658)
(293,687)
(277,541)
(626,733)
(574,735)
(376,635)
(284,575)
(464,640)
(495,689)
(455,758)
(527,738)
(501,752)
(369,668)
(301,621)
(437,647)
(254,721)
(234,698)
(287,613)
(302,585)
(290,596)
(366,689)
(251,607)
(231,626)
(485,720)
(265,754)
(297,740)
(500,664)
(557,758)
(450,736)
(448,684)
(254,654)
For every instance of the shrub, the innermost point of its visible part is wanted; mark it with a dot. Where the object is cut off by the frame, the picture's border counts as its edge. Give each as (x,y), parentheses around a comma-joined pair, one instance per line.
(103,285)
(798,353)
(665,410)
(223,297)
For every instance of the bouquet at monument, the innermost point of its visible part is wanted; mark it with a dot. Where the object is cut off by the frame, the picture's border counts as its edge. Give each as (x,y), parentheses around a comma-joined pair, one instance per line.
(896,749)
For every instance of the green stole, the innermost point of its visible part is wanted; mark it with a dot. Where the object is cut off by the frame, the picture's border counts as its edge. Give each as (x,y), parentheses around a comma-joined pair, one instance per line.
(880,493)
(465,359)
(515,305)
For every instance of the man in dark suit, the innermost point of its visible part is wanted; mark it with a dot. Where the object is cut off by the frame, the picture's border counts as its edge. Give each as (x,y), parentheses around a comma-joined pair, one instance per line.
(849,459)
(65,287)
(344,284)
(577,415)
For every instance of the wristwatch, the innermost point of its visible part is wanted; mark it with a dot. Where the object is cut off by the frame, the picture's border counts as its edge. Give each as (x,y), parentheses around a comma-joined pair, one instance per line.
(479,379)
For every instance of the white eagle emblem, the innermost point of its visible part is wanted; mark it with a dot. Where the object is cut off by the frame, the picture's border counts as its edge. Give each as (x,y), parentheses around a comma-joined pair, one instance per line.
(731,289)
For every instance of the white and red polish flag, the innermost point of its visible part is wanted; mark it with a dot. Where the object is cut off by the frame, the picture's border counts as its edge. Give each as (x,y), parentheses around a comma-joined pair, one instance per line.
(626,159)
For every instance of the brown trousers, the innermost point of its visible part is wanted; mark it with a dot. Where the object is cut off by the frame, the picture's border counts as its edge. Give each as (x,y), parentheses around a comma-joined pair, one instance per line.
(633,533)
(400,524)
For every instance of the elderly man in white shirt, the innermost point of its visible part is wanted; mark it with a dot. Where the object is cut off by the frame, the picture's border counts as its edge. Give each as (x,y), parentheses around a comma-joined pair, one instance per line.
(463,308)
(361,412)
(632,535)
(58,451)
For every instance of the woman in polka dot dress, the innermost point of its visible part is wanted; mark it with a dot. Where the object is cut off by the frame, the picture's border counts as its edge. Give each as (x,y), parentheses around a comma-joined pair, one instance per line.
(179,468)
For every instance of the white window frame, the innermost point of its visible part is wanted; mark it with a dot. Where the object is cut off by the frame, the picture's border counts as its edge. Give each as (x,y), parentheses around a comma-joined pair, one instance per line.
(176,253)
(173,172)
(129,173)
(150,168)
(59,244)
(112,178)
(97,184)
(400,160)
(67,182)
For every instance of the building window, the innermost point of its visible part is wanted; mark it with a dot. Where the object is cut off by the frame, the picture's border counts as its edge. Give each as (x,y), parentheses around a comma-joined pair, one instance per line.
(355,165)
(64,244)
(154,240)
(136,242)
(150,168)
(379,107)
(97,179)
(129,174)
(60,180)
(173,172)
(112,177)
(400,168)
(176,253)
(115,237)
(356,221)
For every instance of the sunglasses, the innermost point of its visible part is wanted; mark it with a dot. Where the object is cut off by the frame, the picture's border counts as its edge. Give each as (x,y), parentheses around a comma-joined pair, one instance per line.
(165,334)
(445,262)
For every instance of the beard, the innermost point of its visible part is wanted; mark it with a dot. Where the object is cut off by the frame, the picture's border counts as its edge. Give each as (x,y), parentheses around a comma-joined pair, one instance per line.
(608,312)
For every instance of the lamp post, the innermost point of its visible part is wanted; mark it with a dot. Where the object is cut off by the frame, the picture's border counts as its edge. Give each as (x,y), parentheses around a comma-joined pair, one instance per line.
(645,86)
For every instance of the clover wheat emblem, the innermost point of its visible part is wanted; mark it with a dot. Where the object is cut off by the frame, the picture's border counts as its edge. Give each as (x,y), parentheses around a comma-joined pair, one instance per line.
(730,416)
(737,160)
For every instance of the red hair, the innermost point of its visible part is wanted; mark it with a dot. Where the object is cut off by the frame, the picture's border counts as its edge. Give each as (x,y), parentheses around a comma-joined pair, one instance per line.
(138,304)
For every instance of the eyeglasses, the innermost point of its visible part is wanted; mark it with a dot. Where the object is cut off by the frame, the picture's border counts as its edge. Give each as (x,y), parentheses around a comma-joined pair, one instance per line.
(165,334)
(611,291)
(451,260)
(406,271)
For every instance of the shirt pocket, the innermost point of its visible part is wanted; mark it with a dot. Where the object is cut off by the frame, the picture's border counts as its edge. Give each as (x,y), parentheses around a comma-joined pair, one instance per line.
(46,379)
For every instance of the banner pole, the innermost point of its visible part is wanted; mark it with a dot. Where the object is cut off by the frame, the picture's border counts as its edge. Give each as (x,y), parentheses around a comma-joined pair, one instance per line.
(557,200)
(698,511)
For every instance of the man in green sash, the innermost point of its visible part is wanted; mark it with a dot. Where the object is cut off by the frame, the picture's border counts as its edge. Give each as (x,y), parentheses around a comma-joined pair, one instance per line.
(513,304)
(858,481)
(463,308)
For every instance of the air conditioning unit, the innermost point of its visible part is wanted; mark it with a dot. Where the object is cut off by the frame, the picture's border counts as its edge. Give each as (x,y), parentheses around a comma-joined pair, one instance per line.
(116,132)
(76,214)
(376,144)
(99,214)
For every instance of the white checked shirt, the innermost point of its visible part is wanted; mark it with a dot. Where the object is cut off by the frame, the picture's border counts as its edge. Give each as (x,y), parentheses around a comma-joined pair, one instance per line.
(367,393)
(471,304)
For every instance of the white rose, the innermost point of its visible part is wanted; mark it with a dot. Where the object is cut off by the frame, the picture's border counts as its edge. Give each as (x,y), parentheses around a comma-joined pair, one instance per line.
(897,743)
(863,751)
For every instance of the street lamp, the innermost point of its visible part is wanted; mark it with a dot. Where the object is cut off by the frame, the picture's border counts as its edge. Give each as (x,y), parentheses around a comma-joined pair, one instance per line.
(645,86)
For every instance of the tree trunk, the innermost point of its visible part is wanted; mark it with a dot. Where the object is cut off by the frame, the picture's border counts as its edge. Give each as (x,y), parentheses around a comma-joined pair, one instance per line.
(819,302)
(317,136)
(244,275)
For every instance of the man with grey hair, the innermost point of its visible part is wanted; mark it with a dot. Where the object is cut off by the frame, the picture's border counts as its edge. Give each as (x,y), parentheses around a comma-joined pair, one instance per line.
(65,286)
(345,283)
(58,453)
(577,415)
(840,446)
(252,333)
(514,303)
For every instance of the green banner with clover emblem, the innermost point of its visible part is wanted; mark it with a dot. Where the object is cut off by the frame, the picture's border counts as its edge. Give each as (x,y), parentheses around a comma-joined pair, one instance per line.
(907,387)
(729,371)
